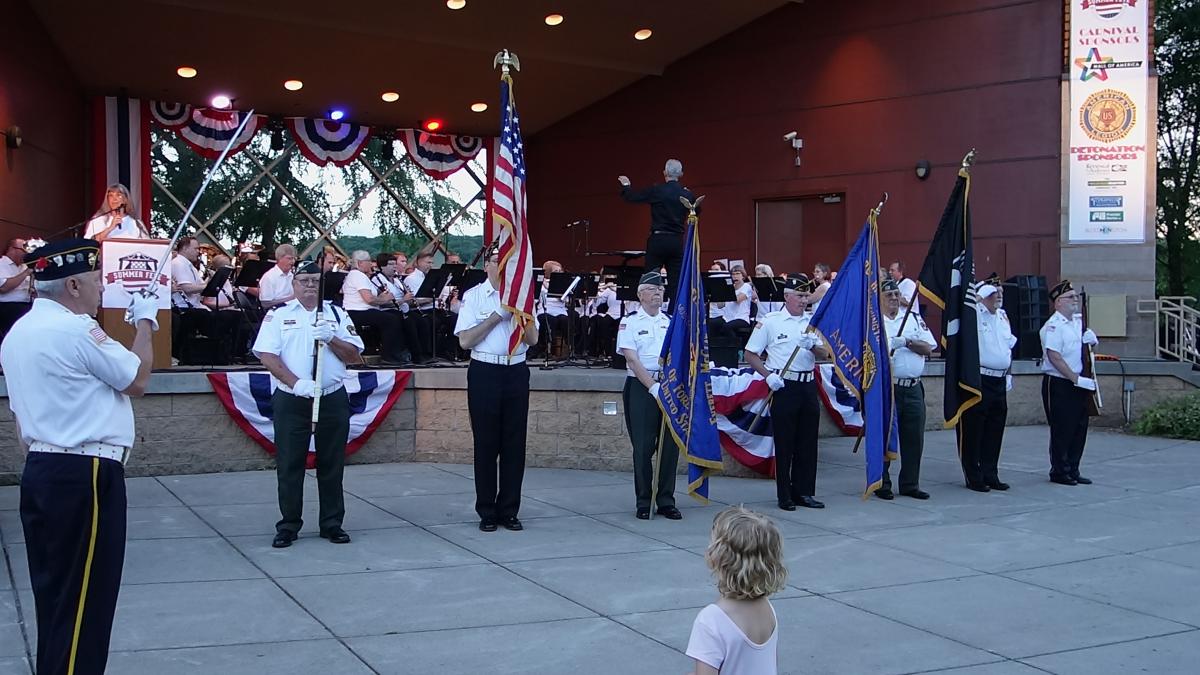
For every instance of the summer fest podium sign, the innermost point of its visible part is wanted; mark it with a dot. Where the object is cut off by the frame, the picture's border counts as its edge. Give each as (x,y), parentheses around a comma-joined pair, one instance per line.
(127,266)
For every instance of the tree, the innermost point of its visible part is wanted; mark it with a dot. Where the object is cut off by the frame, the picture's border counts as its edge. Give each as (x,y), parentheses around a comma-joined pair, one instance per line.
(1177,59)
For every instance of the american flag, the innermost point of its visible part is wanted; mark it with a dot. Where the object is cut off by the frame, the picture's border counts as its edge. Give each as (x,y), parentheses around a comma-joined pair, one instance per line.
(508,211)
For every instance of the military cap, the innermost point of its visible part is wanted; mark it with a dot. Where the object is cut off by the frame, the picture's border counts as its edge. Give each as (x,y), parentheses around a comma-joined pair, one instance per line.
(61,259)
(797,283)
(1061,288)
(889,285)
(652,279)
(307,267)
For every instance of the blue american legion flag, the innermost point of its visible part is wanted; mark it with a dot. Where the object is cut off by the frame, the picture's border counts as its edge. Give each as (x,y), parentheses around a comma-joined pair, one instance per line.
(508,212)
(686,390)
(850,322)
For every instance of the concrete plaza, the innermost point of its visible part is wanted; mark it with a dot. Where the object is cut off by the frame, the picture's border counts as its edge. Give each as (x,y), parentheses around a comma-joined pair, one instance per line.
(1043,578)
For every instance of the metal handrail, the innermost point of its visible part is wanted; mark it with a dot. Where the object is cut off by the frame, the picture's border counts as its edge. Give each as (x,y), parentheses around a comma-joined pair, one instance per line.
(1177,333)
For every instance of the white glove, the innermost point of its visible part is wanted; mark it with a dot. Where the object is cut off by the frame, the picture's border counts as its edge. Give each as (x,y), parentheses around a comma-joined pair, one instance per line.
(323,331)
(1008,384)
(1086,383)
(895,343)
(808,341)
(142,306)
(1089,337)
(654,390)
(304,388)
(775,382)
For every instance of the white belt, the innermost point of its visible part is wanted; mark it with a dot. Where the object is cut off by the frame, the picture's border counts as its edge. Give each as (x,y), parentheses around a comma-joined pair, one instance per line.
(908,381)
(328,390)
(498,359)
(101,450)
(798,375)
(992,372)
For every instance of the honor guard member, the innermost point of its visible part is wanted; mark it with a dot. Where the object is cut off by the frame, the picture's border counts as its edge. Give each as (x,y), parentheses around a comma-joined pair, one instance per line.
(908,346)
(640,340)
(795,412)
(981,430)
(69,385)
(1064,391)
(497,399)
(286,345)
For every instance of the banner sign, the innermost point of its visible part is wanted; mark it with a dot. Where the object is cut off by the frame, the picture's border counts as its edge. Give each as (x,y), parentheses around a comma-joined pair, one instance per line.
(1110,141)
(128,265)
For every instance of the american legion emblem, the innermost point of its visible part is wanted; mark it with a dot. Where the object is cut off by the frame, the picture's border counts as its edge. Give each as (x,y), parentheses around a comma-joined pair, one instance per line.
(1108,115)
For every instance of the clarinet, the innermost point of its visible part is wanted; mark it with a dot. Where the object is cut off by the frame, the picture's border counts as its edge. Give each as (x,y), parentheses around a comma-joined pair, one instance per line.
(382,288)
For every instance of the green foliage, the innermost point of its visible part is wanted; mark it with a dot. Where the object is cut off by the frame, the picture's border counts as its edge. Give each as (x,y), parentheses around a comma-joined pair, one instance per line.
(1175,418)
(464,245)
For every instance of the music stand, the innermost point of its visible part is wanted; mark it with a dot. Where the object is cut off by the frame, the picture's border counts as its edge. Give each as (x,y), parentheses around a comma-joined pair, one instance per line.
(431,287)
(769,289)
(470,279)
(333,287)
(718,287)
(251,272)
(216,283)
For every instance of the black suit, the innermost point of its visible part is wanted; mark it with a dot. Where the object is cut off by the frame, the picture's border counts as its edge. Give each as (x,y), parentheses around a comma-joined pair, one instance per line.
(668,220)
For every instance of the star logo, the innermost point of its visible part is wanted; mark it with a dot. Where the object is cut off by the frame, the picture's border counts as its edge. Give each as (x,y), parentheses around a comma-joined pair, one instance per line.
(1093,66)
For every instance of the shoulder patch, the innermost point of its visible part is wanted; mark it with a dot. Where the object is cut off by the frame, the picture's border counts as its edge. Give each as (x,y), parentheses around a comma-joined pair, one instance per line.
(351,329)
(921,323)
(98,335)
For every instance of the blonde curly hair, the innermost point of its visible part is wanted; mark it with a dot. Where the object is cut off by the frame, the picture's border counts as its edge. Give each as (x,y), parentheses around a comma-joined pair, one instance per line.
(746,554)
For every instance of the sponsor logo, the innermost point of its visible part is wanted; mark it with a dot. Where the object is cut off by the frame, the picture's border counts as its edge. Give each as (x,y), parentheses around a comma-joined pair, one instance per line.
(1106,202)
(1107,9)
(1106,216)
(1096,66)
(1106,183)
(1107,116)
(135,272)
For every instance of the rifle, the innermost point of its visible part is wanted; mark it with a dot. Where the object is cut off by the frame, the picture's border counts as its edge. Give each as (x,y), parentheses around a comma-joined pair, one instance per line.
(1095,403)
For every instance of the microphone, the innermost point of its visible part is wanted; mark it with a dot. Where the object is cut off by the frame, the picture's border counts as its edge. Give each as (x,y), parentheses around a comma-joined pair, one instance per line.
(576,222)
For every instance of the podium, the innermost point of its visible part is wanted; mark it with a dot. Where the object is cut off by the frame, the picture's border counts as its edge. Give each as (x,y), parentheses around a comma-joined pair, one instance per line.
(128,265)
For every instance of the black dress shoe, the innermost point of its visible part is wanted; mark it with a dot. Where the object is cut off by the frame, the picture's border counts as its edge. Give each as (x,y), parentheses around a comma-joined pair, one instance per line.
(979,487)
(915,494)
(487,525)
(670,512)
(885,493)
(810,503)
(787,506)
(997,485)
(1063,481)
(283,539)
(336,535)
(1081,480)
(513,524)
(643,514)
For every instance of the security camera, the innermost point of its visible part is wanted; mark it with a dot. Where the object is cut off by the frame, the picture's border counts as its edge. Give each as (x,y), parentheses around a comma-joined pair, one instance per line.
(789,135)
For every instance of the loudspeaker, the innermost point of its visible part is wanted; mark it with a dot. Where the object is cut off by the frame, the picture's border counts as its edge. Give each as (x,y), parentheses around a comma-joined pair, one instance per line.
(1027,303)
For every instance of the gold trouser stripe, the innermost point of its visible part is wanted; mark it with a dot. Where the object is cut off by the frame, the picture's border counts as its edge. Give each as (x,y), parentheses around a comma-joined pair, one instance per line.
(87,565)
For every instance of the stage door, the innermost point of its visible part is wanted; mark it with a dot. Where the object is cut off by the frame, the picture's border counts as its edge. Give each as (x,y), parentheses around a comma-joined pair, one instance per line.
(792,235)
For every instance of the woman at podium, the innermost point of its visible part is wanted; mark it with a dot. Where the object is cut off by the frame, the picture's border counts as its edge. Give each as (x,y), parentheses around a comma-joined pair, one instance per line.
(113,220)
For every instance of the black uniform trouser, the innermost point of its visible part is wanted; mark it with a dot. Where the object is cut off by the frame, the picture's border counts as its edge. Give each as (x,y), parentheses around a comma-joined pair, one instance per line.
(665,249)
(1066,413)
(910,418)
(391,333)
(422,322)
(9,313)
(795,416)
(221,327)
(643,420)
(981,432)
(73,514)
(498,402)
(293,429)
(605,332)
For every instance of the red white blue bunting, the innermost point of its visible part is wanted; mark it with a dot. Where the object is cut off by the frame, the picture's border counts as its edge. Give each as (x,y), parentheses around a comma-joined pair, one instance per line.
(171,115)
(843,408)
(324,141)
(739,398)
(208,131)
(440,155)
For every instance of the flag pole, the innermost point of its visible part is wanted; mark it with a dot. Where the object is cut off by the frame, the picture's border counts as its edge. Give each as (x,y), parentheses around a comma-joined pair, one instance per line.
(873,217)
(662,431)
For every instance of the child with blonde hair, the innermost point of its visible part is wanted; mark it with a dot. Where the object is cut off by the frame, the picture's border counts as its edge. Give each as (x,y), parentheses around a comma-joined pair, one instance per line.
(738,635)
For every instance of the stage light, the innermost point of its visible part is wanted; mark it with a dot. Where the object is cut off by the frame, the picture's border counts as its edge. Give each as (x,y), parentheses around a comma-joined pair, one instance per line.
(456,4)
(478,107)
(186,72)
(293,85)
(554,19)
(432,125)
(221,101)
(643,34)
(337,114)
(390,97)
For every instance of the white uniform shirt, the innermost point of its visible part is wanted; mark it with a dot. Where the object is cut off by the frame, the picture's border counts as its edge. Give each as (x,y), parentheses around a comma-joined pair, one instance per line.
(8,270)
(183,272)
(995,339)
(739,309)
(778,334)
(65,377)
(287,333)
(413,283)
(1064,336)
(357,280)
(478,303)
(224,299)
(907,288)
(609,296)
(907,364)
(717,641)
(644,334)
(274,284)
(552,306)
(128,229)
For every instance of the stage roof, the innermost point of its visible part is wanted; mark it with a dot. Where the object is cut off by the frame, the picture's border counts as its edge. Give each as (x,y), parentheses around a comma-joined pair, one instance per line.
(348,53)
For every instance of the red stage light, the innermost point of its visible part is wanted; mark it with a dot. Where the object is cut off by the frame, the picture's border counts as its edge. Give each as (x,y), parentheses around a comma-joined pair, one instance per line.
(432,125)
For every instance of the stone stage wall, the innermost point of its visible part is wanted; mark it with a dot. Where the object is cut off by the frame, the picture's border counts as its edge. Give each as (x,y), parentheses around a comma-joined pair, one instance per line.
(182,427)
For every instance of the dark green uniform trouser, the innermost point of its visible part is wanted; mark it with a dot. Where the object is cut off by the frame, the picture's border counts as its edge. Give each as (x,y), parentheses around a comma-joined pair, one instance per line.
(910,414)
(293,428)
(643,419)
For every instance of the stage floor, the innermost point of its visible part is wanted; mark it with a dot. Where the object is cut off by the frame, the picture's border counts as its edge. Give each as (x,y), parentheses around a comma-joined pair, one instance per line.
(1042,578)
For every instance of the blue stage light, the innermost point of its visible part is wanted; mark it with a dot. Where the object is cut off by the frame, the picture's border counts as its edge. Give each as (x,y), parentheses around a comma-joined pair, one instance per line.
(337,114)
